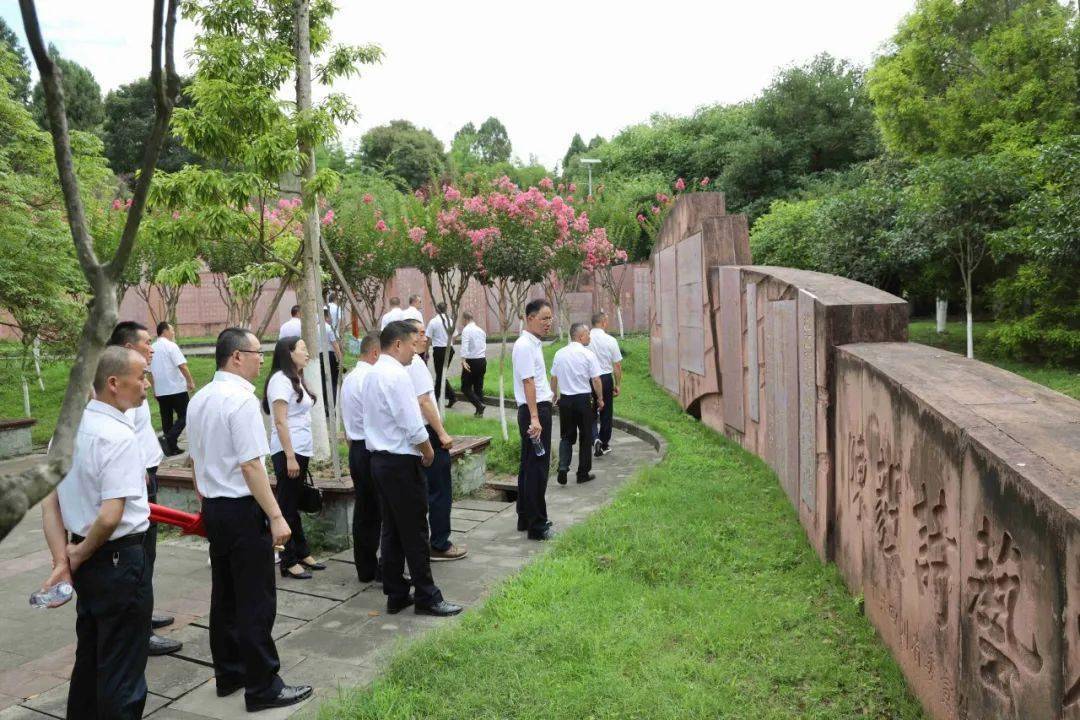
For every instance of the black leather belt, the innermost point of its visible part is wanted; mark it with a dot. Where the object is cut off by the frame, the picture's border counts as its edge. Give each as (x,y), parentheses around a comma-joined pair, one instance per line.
(120,542)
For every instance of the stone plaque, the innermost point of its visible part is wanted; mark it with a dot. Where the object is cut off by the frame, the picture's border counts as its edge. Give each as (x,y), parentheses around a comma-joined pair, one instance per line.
(807,402)
(731,354)
(782,394)
(753,381)
(667,312)
(691,301)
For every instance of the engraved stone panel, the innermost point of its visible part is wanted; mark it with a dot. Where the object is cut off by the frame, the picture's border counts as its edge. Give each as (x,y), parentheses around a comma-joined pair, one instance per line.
(731,354)
(753,380)
(668,315)
(691,305)
(807,402)
(782,393)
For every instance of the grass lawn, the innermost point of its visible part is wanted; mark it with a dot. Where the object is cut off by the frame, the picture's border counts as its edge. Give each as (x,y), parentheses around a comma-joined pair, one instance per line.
(693,595)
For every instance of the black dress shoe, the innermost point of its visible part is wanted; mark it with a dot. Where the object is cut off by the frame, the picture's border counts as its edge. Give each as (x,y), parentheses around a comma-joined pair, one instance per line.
(160,621)
(395,606)
(562,477)
(439,609)
(313,566)
(547,534)
(289,695)
(163,646)
(586,478)
(287,573)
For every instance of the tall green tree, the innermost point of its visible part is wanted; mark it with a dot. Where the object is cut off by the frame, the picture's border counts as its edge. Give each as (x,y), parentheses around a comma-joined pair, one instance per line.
(577,147)
(129,113)
(493,142)
(17,73)
(82,96)
(978,76)
(401,150)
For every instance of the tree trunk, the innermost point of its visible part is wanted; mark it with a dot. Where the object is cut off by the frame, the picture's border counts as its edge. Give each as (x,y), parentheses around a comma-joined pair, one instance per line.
(942,314)
(310,316)
(967,301)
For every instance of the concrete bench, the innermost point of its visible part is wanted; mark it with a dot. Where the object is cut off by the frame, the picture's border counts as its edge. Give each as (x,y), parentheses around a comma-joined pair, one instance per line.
(467,472)
(15,438)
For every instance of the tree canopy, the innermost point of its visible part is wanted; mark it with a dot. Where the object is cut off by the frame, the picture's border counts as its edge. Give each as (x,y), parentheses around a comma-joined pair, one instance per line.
(82,96)
(129,113)
(401,150)
(17,73)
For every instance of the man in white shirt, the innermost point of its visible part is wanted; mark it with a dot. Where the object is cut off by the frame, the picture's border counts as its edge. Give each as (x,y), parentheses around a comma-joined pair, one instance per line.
(473,362)
(335,310)
(440,487)
(328,342)
(172,383)
(533,396)
(438,333)
(415,309)
(367,523)
(102,502)
(134,336)
(392,315)
(606,349)
(291,327)
(243,522)
(576,373)
(395,435)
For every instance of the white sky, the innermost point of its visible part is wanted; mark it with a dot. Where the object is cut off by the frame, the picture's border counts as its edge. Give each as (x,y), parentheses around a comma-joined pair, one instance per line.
(546,69)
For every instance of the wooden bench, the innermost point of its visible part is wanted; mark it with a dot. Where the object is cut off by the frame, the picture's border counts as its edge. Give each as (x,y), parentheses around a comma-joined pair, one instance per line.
(15,437)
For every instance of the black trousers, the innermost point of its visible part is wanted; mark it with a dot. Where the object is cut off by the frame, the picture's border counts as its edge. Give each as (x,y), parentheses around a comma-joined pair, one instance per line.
(533,471)
(440,493)
(472,382)
(243,599)
(403,494)
(438,354)
(150,537)
(576,419)
(367,518)
(114,602)
(603,418)
(288,498)
(334,368)
(173,409)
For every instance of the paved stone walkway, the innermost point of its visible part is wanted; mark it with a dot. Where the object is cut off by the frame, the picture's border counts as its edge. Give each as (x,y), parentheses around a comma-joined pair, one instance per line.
(332,631)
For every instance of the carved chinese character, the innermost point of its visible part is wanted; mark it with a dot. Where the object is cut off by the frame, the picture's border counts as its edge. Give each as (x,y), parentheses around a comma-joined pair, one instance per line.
(887,479)
(935,553)
(857,466)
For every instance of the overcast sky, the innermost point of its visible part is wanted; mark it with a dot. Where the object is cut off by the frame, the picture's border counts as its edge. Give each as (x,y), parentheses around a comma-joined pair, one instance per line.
(546,69)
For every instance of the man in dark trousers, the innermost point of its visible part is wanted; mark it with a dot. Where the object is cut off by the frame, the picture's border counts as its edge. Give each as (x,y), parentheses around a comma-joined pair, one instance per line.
(172,383)
(438,335)
(367,520)
(606,349)
(228,444)
(533,396)
(473,362)
(576,373)
(395,435)
(102,502)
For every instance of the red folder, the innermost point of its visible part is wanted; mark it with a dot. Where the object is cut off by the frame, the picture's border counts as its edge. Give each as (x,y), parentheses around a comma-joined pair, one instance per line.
(189,524)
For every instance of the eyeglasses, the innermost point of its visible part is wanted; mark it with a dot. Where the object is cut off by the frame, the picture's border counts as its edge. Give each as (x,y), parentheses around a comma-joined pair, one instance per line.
(256,352)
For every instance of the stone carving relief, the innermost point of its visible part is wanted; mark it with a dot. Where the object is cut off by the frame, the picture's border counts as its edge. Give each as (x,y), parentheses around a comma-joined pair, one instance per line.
(935,553)
(888,476)
(858,465)
(1005,661)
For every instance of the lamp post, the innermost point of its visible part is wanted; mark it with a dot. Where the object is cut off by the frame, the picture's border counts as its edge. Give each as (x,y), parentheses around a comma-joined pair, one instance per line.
(590,162)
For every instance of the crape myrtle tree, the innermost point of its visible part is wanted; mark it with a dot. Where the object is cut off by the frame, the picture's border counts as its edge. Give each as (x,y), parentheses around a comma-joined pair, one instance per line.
(19,492)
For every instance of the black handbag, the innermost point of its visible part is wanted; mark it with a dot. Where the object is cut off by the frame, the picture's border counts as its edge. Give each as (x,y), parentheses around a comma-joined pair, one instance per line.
(310,500)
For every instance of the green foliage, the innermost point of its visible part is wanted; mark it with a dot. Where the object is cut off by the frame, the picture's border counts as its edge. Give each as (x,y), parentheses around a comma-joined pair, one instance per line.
(577,147)
(17,72)
(403,152)
(979,76)
(493,142)
(129,115)
(82,96)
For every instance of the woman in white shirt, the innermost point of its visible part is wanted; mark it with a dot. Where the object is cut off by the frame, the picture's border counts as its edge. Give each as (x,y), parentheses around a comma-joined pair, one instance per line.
(288,402)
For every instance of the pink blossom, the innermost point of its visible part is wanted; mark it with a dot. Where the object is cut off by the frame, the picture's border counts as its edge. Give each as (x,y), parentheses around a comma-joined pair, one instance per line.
(680,184)
(641,218)
(704,181)
(572,188)
(328,218)
(429,250)
(175,214)
(368,198)
(661,198)
(546,184)
(116,204)
(451,193)
(655,210)
(417,234)
(581,224)
(381,226)
(128,203)
(476,205)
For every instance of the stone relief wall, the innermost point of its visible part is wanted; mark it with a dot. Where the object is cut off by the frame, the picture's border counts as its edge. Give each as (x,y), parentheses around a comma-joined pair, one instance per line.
(946,491)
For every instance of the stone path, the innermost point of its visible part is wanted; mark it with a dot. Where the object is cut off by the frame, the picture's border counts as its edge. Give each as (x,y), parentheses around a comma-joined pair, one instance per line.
(332,631)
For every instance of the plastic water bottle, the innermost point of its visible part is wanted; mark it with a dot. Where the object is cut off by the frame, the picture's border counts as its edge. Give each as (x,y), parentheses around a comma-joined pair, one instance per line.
(538,447)
(54,596)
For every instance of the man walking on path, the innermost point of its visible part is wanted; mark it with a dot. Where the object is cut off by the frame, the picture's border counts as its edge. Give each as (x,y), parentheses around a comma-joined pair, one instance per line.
(575,372)
(102,502)
(533,396)
(438,333)
(473,362)
(439,486)
(172,383)
(134,336)
(395,435)
(367,521)
(243,522)
(291,327)
(606,349)
(392,315)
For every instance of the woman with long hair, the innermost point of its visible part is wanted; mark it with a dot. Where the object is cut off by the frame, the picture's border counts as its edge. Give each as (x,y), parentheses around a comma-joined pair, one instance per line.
(288,401)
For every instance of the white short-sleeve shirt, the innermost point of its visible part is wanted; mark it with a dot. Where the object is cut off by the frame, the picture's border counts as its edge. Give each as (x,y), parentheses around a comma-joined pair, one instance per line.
(473,342)
(421,378)
(165,367)
(389,317)
(326,342)
(149,447)
(298,417)
(225,429)
(352,406)
(606,349)
(106,465)
(437,331)
(290,328)
(528,361)
(392,419)
(575,367)
(411,313)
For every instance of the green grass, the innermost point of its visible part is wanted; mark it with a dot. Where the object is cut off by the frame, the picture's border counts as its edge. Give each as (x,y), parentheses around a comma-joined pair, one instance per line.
(502,455)
(693,595)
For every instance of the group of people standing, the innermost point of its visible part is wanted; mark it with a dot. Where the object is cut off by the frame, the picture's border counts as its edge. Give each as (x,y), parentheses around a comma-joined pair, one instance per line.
(97,521)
